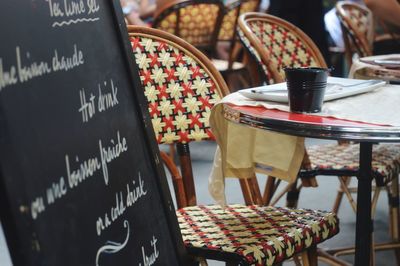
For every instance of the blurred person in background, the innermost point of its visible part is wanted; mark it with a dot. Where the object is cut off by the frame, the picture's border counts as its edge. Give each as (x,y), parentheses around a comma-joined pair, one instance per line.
(387,12)
(138,12)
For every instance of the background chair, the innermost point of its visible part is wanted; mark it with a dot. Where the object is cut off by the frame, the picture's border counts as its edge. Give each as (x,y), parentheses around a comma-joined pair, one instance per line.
(181,86)
(359,30)
(276,44)
(209,26)
(234,68)
(357,27)
(196,21)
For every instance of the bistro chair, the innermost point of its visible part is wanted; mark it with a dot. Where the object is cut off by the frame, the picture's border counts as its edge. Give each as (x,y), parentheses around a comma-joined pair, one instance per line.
(357,25)
(237,61)
(206,24)
(181,86)
(276,44)
(196,21)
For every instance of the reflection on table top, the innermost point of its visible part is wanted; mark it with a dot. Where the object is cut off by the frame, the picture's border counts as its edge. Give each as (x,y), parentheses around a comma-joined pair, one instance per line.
(308,125)
(385,67)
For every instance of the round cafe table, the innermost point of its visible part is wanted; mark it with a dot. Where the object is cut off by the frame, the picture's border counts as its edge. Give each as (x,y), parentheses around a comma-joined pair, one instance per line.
(384,67)
(312,126)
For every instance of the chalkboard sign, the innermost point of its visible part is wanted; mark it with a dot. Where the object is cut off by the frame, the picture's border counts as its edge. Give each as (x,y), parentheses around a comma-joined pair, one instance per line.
(80,176)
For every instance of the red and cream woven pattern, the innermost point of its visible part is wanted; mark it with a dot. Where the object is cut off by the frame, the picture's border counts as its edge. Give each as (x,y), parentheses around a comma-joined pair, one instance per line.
(284,47)
(196,23)
(179,91)
(262,235)
(385,158)
(256,55)
(358,20)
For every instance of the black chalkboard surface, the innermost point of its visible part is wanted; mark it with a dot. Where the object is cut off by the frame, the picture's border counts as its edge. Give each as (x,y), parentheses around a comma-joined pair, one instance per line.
(80,178)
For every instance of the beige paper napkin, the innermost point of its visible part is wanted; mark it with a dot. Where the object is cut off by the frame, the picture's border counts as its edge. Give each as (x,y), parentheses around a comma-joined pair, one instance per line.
(244,150)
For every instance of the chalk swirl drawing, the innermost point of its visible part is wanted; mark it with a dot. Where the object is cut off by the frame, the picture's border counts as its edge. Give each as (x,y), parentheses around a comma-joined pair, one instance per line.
(74,21)
(113,247)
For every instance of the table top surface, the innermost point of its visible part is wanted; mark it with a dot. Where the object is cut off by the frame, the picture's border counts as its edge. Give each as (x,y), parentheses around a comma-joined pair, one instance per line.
(308,125)
(385,67)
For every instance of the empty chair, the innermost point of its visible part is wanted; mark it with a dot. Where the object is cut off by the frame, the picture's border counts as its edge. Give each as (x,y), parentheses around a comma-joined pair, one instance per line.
(204,23)
(357,26)
(275,44)
(181,86)
(199,22)
(227,32)
(196,21)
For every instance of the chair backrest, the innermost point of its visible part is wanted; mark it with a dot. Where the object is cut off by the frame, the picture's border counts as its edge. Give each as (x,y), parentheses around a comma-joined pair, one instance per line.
(181,86)
(358,28)
(196,21)
(276,44)
(180,83)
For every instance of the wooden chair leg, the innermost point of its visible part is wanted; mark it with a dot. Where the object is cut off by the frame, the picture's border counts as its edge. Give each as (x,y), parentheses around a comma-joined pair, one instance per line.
(330,259)
(292,196)
(187,173)
(177,181)
(172,152)
(296,260)
(234,55)
(275,199)
(244,185)
(269,190)
(203,262)
(251,191)
(393,196)
(372,251)
(255,190)
(347,192)
(340,193)
(374,201)
(309,257)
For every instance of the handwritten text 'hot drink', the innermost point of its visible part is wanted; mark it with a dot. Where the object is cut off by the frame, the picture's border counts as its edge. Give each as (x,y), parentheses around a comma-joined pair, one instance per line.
(105,99)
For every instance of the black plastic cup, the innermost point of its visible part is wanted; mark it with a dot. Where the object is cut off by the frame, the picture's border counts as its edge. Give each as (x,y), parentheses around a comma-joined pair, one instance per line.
(306,88)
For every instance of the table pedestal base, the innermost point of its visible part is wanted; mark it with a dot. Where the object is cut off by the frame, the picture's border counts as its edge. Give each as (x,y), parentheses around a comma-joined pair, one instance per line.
(364,226)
